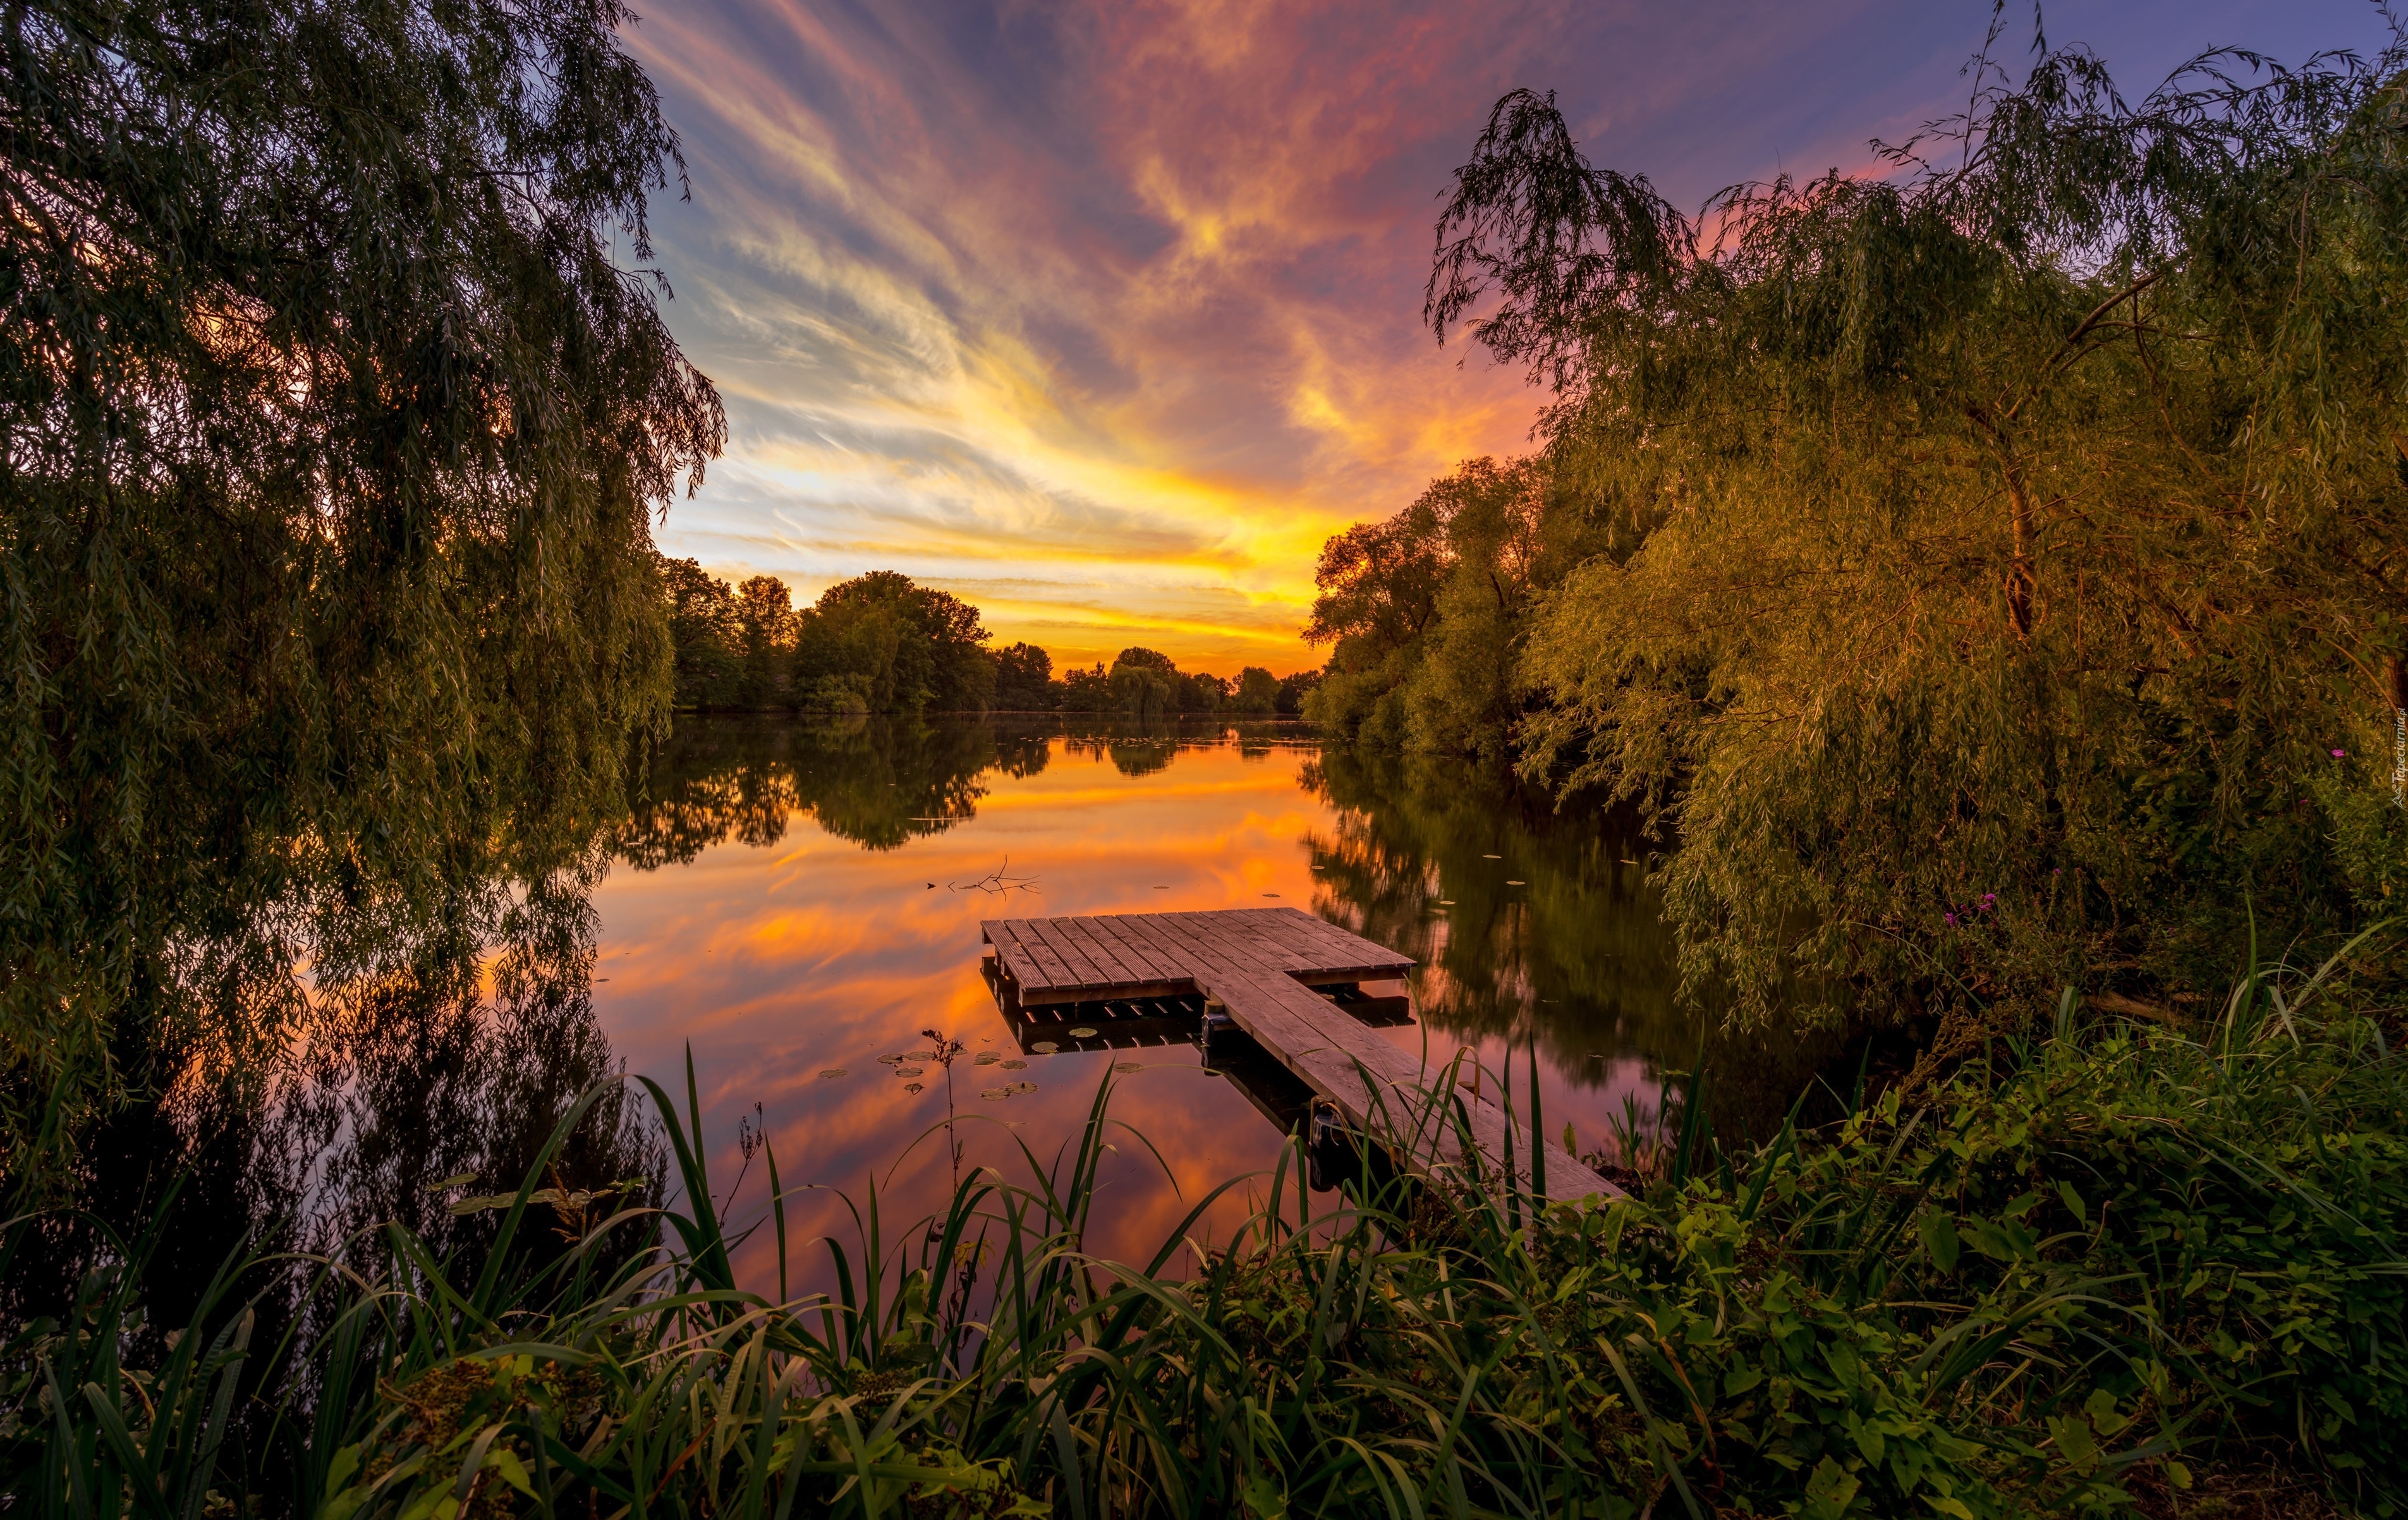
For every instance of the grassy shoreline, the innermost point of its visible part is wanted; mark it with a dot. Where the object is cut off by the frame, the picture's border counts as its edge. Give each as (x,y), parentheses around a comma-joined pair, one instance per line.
(2102,1271)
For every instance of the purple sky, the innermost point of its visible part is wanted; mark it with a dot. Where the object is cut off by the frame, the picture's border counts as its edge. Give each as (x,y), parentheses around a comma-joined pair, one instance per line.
(1103,316)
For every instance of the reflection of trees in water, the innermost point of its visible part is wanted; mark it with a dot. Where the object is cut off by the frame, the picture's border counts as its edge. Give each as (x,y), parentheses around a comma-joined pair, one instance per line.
(427,1046)
(1578,958)
(877,782)
(1139,747)
(429,1074)
(1131,753)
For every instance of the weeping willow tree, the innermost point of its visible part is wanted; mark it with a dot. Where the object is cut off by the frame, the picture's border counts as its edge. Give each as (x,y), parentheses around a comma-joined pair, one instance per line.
(2004,556)
(332,428)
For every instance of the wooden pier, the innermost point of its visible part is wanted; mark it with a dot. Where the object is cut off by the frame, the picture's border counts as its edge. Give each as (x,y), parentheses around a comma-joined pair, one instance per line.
(1262,964)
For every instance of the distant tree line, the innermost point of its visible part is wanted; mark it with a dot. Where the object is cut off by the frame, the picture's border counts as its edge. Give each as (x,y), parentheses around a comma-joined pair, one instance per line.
(1985,573)
(882,643)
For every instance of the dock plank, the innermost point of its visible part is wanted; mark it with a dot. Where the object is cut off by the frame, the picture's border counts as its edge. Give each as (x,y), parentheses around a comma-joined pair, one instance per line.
(1099,954)
(1258,963)
(1239,936)
(1165,963)
(1032,965)
(1085,972)
(1137,960)
(1138,976)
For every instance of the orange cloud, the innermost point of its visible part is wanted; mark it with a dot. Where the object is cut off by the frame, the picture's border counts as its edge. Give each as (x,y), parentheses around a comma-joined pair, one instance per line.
(1105,313)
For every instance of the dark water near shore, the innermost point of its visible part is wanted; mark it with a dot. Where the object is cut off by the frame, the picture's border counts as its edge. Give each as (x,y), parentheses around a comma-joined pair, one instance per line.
(797,900)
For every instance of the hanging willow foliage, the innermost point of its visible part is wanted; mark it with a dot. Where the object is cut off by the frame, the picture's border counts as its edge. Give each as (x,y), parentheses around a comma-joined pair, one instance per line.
(1998,561)
(332,433)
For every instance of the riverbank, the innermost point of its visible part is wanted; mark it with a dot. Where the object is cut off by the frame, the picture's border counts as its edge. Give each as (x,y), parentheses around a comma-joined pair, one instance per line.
(2109,1269)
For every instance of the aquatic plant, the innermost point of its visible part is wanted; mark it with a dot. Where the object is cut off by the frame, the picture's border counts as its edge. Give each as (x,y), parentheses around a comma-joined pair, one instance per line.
(2116,1261)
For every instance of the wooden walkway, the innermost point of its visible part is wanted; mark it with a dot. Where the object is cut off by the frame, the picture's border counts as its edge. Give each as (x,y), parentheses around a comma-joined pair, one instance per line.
(1262,964)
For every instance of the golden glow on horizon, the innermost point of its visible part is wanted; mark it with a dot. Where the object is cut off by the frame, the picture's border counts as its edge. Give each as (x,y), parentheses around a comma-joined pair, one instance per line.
(1103,314)
(1114,385)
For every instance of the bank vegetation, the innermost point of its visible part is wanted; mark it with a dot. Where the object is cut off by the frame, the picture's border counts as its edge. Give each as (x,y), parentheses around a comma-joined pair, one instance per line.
(1986,572)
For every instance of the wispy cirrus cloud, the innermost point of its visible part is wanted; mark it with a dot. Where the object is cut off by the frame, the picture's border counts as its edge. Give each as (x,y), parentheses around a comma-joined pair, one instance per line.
(1104,315)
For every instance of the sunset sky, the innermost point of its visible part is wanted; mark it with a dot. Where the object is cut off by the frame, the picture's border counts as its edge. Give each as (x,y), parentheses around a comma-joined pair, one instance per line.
(1103,314)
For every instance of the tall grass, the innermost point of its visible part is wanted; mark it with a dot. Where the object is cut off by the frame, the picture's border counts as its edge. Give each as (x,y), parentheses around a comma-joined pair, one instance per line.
(2107,1258)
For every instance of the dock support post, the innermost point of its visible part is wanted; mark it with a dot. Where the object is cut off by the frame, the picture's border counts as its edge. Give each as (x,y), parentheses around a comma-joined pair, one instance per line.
(1217,1016)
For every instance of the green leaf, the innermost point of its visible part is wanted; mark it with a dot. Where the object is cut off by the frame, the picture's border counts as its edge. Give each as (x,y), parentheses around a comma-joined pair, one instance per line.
(2073,1201)
(1939,1234)
(2100,1407)
(513,1471)
(1829,1490)
(2073,1441)
(1868,1441)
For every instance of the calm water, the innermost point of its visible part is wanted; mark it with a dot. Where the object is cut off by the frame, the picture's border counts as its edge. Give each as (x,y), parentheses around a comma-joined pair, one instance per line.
(797,900)
(814,903)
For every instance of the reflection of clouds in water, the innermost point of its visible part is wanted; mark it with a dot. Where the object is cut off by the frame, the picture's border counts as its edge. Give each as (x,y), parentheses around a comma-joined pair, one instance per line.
(434,1058)
(780,947)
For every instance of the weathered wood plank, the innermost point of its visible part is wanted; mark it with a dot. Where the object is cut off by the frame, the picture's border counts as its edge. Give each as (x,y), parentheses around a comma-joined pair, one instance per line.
(1055,970)
(1136,945)
(1334,947)
(1170,942)
(1083,972)
(1049,976)
(1238,936)
(1104,947)
(1031,965)
(1329,951)
(1109,972)
(1057,975)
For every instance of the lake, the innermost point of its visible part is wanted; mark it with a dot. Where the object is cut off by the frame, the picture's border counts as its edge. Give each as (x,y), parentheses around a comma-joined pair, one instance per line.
(821,908)
(795,900)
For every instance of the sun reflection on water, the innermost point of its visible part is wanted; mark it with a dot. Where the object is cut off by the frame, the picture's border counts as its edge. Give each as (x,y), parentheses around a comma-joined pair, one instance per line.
(804,900)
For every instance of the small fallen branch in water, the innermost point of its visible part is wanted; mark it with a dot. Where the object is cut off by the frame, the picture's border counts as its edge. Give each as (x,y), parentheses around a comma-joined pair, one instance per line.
(998,882)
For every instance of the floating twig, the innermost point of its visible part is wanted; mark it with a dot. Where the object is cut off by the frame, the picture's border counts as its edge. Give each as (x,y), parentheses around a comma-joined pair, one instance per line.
(997,883)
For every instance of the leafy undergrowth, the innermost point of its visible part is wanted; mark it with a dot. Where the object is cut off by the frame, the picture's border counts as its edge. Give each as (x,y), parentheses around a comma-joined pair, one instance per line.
(2124,1270)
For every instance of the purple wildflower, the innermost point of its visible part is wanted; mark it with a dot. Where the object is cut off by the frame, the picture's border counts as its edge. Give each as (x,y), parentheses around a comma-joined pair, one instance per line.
(2338,754)
(1952,918)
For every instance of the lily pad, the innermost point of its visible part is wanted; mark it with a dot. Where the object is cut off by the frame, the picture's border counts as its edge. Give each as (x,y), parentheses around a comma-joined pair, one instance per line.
(1018,1066)
(1045,1047)
(985,1058)
(1128,1066)
(1021,1087)
(921,1056)
(914,1087)
(908,1071)
(1082,1032)
(833,1072)
(996,1095)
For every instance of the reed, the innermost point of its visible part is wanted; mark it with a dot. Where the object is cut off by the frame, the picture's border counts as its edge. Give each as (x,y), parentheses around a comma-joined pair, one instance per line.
(2108,1262)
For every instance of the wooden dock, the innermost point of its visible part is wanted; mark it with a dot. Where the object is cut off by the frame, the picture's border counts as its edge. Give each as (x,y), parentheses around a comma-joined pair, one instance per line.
(1262,964)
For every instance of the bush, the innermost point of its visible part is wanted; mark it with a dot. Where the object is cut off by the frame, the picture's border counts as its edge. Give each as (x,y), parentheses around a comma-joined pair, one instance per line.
(2111,1255)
